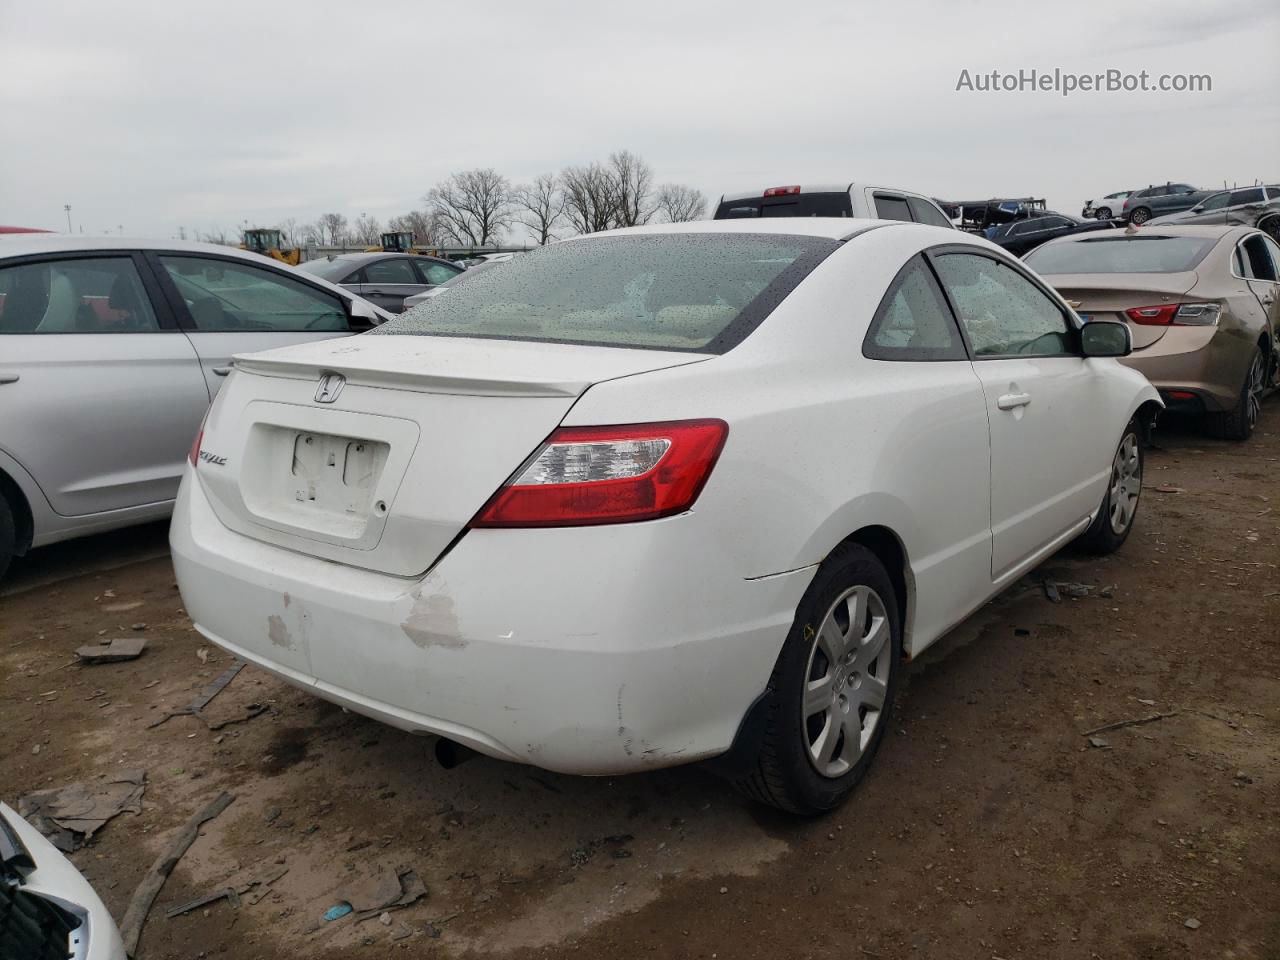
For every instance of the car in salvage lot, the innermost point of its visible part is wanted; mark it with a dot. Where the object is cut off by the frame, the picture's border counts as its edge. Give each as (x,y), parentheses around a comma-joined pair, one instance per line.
(110,350)
(663,494)
(48,911)
(1257,206)
(1020,237)
(386,279)
(1203,304)
(1105,208)
(832,200)
(1141,205)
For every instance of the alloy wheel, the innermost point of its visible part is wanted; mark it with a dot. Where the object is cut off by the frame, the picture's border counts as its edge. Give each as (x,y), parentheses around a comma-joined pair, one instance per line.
(846,681)
(1126,483)
(1254,387)
(1140,216)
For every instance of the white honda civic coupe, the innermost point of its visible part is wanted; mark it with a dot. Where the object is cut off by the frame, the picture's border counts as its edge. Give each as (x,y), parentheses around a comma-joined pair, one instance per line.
(663,494)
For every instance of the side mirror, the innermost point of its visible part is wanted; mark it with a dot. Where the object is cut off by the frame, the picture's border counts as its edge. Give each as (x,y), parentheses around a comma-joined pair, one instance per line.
(361,313)
(1106,338)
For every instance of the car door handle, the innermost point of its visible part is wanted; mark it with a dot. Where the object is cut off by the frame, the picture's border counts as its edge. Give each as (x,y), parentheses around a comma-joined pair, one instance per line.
(9,378)
(222,371)
(1007,401)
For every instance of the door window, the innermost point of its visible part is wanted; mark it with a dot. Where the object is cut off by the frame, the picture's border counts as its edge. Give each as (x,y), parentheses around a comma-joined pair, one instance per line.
(1003,313)
(892,208)
(1216,202)
(392,270)
(1273,248)
(92,295)
(1253,195)
(223,295)
(435,273)
(1257,259)
(913,321)
(926,212)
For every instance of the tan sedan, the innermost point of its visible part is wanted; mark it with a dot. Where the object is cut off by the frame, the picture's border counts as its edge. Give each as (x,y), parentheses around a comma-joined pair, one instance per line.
(1202,302)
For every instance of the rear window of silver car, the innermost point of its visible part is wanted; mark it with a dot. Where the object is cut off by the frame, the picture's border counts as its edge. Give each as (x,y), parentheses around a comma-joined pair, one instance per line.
(1149,253)
(700,292)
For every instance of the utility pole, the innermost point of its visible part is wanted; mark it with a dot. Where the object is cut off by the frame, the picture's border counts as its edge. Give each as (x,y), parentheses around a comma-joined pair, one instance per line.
(67,208)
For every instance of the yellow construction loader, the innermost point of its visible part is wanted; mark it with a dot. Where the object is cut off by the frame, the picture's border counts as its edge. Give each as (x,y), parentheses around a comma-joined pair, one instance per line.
(268,243)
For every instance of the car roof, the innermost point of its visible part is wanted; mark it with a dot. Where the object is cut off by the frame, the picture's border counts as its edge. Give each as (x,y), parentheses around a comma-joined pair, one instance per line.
(832,228)
(25,244)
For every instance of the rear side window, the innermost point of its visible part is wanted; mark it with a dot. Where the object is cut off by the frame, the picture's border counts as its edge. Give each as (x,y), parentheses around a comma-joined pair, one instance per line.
(391,270)
(1257,259)
(892,208)
(697,292)
(92,295)
(925,212)
(222,295)
(1003,313)
(913,321)
(1148,253)
(1253,195)
(792,205)
(433,272)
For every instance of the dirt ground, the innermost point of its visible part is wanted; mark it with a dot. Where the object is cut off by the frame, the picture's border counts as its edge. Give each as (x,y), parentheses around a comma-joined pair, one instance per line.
(988,828)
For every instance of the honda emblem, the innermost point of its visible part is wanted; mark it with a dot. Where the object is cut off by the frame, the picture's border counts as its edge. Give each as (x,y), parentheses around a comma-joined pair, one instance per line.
(331,385)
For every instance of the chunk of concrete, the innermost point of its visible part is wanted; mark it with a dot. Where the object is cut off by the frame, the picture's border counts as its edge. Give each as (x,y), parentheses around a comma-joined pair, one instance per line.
(121,648)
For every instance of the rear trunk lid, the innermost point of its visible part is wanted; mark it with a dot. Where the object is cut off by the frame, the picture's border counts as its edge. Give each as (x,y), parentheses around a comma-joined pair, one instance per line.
(1108,296)
(376,451)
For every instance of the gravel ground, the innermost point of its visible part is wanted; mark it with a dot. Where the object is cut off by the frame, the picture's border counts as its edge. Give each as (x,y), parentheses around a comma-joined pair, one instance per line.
(989,828)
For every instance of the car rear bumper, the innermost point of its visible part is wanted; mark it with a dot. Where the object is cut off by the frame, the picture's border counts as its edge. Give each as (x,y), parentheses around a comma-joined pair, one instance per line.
(1207,362)
(588,650)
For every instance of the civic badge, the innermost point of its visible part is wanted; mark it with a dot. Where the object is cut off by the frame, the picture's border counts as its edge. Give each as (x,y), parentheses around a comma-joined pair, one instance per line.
(331,385)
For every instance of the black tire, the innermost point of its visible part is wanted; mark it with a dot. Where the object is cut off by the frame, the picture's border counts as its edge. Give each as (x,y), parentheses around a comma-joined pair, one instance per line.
(1140,215)
(8,535)
(1102,213)
(782,774)
(1238,424)
(1103,537)
(1271,227)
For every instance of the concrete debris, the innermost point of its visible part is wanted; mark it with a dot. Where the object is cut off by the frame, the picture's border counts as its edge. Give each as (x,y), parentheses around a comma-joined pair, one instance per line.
(117,650)
(69,816)
(1098,743)
(1191,923)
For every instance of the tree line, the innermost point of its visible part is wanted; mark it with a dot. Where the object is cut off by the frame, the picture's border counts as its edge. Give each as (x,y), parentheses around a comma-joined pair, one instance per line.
(478,208)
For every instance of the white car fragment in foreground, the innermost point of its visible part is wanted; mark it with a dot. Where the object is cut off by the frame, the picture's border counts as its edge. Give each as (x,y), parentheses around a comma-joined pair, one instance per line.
(663,494)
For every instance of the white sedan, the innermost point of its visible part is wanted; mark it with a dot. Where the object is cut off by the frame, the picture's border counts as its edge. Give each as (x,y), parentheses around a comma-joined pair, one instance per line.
(662,494)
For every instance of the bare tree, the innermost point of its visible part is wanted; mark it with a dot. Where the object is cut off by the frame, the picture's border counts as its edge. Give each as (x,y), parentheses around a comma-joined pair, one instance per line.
(289,232)
(679,203)
(540,205)
(333,228)
(421,223)
(214,235)
(589,199)
(632,185)
(472,207)
(366,230)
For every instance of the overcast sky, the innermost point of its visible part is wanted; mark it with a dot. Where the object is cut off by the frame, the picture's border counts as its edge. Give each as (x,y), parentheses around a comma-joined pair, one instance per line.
(151,116)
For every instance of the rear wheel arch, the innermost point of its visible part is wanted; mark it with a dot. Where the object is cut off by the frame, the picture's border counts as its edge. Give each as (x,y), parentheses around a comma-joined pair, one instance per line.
(24,525)
(890,551)
(1146,414)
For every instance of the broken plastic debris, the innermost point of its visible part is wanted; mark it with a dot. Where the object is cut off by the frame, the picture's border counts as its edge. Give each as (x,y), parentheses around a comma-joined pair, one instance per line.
(337,910)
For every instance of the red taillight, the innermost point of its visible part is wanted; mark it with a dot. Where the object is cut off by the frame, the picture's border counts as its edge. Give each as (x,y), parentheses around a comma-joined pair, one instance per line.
(1178,314)
(1160,316)
(782,191)
(1182,395)
(194,455)
(621,474)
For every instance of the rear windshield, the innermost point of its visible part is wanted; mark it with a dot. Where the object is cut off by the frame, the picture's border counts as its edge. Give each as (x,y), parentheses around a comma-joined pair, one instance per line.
(794,205)
(330,269)
(695,291)
(1140,254)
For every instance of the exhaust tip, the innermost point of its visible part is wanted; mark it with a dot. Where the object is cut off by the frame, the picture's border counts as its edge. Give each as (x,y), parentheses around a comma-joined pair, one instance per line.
(449,754)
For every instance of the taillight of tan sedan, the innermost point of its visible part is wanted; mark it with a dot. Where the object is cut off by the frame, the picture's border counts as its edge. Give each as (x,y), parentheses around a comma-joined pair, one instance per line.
(680,493)
(1203,305)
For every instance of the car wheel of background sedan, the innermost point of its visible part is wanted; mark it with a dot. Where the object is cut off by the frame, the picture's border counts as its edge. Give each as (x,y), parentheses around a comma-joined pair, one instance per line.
(1271,227)
(8,535)
(832,689)
(1112,525)
(1140,215)
(1238,424)
(1103,213)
